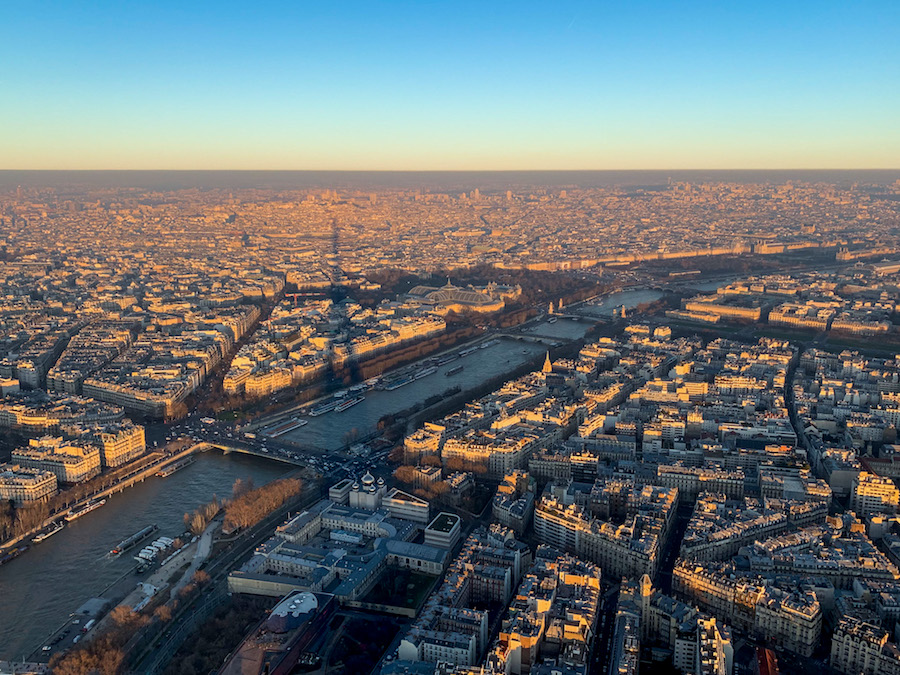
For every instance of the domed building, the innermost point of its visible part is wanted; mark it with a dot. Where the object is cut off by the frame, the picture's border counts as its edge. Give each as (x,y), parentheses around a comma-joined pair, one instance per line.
(367,492)
(490,298)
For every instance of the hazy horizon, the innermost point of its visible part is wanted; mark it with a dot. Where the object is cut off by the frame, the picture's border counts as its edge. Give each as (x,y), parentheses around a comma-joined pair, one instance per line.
(171,179)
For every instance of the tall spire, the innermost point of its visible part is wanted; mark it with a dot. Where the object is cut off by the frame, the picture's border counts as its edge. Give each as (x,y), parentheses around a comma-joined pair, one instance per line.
(548,364)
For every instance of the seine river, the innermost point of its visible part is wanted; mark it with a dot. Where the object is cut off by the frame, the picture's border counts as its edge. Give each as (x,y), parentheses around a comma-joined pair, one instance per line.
(39,589)
(329,431)
(629,299)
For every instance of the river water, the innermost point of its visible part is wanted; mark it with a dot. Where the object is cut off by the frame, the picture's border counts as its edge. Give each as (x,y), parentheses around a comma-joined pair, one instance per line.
(711,285)
(564,329)
(39,589)
(329,431)
(629,299)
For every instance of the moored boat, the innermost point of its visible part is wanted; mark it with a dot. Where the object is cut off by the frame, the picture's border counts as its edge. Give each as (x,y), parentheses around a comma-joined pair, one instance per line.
(167,471)
(323,408)
(84,510)
(13,554)
(49,532)
(349,403)
(127,543)
(400,382)
(282,429)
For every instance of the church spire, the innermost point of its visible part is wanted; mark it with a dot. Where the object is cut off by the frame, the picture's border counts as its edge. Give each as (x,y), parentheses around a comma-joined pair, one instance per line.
(548,364)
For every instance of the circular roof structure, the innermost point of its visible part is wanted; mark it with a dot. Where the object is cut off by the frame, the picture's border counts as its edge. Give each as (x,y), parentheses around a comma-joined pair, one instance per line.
(292,612)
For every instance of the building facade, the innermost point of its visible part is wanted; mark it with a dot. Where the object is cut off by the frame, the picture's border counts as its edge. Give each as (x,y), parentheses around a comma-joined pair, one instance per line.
(25,486)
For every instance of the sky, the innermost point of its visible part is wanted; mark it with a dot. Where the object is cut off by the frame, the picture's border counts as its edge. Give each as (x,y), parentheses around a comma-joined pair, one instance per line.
(385,85)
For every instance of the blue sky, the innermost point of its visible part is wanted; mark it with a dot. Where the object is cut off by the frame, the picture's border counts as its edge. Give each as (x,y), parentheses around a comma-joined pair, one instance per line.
(449,85)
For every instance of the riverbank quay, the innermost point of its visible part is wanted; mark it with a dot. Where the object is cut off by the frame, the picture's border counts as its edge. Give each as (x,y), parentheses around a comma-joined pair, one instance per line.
(146,470)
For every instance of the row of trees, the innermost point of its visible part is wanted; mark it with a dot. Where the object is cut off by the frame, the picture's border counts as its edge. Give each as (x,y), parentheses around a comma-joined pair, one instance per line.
(247,506)
(250,507)
(196,521)
(15,521)
(206,649)
(456,464)
(103,653)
